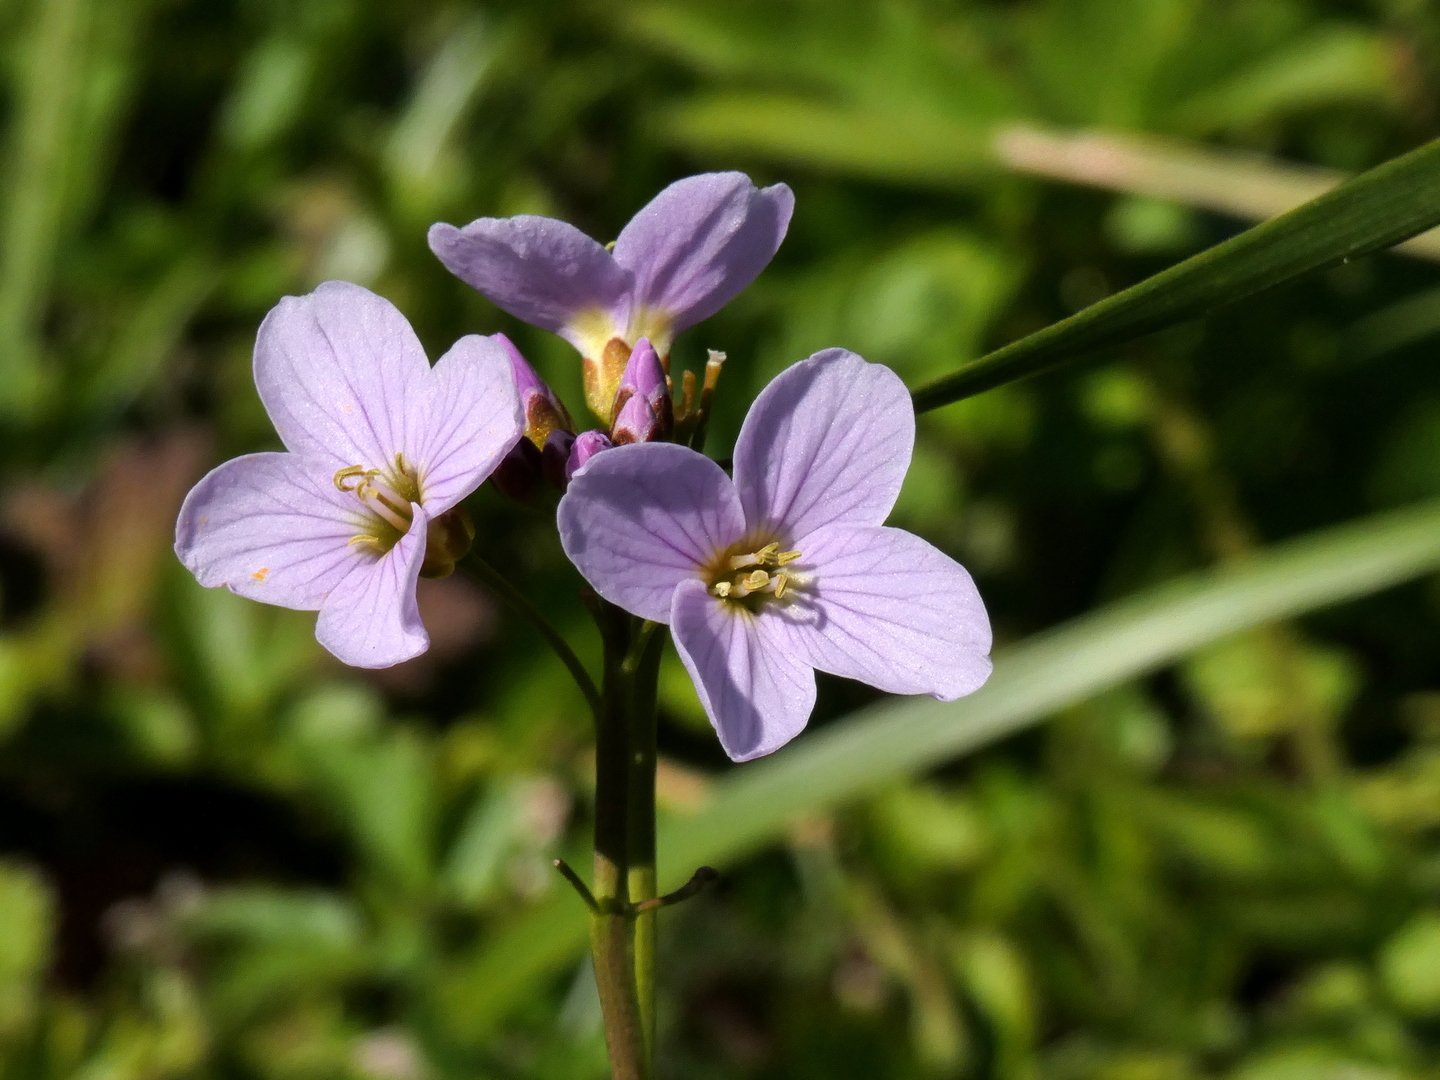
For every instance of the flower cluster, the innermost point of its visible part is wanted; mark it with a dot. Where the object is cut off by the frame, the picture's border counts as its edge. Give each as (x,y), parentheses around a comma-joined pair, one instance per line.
(785,569)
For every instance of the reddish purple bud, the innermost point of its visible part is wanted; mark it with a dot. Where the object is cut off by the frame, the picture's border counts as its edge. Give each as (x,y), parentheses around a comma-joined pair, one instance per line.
(587,445)
(518,473)
(544,412)
(555,455)
(643,409)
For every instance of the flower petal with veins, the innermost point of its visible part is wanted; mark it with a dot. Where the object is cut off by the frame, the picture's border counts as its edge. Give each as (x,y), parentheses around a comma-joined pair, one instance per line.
(788,568)
(381,444)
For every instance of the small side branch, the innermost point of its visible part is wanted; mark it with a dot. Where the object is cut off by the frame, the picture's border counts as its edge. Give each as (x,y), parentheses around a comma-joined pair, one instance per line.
(698,880)
(523,605)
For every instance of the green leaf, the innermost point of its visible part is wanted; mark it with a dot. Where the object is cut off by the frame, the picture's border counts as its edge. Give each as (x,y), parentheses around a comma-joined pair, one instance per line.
(1330,63)
(1033,680)
(1410,966)
(1376,209)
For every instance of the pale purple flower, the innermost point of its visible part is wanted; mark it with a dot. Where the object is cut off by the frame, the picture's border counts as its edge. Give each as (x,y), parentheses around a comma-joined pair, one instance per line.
(788,567)
(381,449)
(679,260)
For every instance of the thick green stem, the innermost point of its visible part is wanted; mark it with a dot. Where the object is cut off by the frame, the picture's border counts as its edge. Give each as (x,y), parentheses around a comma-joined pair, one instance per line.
(612,929)
(615,979)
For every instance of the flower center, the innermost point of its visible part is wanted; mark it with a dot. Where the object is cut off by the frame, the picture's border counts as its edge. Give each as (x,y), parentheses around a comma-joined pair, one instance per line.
(386,495)
(752,578)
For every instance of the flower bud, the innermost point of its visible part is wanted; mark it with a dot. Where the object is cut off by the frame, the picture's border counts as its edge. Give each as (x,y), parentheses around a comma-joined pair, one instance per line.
(544,412)
(643,409)
(554,456)
(587,445)
(519,471)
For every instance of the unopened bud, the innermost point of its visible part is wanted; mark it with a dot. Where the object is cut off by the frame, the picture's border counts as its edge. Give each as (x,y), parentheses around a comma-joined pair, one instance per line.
(587,445)
(644,411)
(554,456)
(544,412)
(519,471)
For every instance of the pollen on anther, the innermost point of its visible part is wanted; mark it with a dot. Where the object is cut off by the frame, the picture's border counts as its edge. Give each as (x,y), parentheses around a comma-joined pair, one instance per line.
(353,472)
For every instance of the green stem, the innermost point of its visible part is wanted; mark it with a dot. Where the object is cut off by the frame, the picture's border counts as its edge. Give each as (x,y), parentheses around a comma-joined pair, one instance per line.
(644,664)
(614,978)
(501,586)
(612,926)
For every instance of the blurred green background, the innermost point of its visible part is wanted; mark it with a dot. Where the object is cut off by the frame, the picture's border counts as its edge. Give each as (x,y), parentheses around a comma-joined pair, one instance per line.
(223,855)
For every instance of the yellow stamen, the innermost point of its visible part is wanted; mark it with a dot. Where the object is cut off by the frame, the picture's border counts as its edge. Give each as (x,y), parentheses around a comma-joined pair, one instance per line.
(358,473)
(373,543)
(752,578)
(752,582)
(369,490)
(764,557)
(687,396)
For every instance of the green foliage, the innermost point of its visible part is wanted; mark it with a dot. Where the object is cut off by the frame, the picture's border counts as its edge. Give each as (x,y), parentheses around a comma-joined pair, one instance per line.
(1390,204)
(1188,831)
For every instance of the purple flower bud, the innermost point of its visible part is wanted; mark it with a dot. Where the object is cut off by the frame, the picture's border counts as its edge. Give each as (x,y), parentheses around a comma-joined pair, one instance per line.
(555,455)
(635,424)
(643,409)
(587,445)
(519,471)
(544,412)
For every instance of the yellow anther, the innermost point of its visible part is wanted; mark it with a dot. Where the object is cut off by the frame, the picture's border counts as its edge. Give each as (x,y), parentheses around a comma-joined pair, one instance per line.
(752,578)
(373,543)
(687,396)
(766,556)
(713,363)
(354,472)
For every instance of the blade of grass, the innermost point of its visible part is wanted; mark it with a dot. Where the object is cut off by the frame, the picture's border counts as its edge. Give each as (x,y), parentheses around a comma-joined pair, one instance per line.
(1376,209)
(47,97)
(1032,680)
(1246,185)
